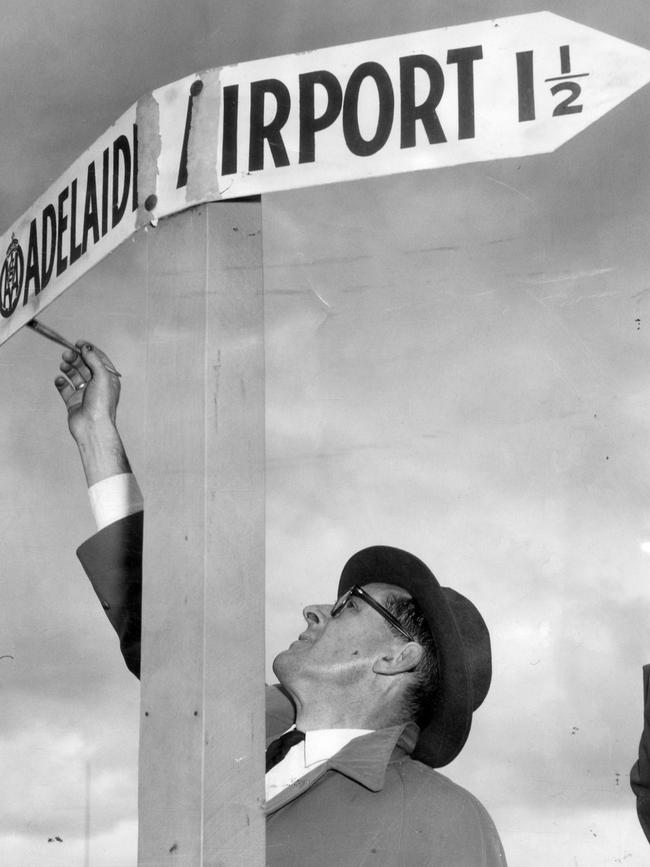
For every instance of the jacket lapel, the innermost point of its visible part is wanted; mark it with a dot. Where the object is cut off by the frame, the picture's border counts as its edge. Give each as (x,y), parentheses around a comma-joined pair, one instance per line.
(364,760)
(295,790)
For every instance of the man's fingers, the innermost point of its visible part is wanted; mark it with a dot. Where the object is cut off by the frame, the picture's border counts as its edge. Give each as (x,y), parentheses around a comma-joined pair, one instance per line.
(75,375)
(69,356)
(65,388)
(74,359)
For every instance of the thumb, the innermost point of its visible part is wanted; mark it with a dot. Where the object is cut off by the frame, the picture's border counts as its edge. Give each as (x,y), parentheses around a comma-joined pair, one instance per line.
(94,358)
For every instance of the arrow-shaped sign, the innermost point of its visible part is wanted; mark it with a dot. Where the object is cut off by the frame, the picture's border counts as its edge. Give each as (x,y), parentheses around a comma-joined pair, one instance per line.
(508,87)
(502,88)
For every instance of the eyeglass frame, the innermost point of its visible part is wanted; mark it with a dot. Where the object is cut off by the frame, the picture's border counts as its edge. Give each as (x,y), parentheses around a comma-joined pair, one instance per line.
(359,592)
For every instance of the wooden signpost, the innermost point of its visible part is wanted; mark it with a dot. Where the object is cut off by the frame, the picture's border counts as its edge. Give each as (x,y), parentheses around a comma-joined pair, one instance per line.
(202,702)
(510,87)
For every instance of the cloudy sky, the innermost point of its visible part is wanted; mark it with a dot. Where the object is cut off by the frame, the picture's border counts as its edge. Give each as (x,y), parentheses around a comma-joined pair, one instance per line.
(457,363)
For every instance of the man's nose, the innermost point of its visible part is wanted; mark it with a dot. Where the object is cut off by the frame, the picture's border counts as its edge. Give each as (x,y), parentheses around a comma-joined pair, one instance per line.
(316,613)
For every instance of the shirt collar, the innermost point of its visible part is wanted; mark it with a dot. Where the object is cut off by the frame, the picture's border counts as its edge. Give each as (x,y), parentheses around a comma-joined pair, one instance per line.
(364,760)
(322,744)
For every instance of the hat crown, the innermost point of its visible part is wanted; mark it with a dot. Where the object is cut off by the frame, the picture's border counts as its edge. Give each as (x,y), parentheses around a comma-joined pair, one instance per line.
(462,641)
(475,638)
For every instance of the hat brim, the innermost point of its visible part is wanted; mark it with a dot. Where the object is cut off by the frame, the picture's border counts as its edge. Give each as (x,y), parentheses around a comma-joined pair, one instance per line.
(443,737)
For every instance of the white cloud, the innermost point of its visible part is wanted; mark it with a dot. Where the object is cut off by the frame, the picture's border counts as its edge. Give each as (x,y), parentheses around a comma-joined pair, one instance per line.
(43,787)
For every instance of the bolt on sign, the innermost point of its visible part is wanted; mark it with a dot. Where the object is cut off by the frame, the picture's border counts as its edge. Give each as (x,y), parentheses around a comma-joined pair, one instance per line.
(509,87)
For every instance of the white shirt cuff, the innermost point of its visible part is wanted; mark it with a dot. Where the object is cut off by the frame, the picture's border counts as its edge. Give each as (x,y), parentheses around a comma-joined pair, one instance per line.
(115,498)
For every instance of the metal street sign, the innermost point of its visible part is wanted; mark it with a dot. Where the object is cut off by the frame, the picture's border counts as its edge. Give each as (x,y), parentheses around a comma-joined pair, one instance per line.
(508,87)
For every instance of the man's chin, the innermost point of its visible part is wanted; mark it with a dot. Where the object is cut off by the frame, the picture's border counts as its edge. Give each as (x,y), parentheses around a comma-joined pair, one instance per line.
(285,663)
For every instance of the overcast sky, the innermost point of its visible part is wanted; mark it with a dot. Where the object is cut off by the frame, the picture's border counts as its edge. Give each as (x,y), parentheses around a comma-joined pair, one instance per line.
(457,363)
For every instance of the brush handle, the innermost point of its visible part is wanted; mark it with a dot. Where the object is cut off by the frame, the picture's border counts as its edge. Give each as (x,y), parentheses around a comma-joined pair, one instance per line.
(54,336)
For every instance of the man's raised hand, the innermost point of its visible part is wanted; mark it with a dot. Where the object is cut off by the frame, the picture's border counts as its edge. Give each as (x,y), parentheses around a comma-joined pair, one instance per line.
(91,394)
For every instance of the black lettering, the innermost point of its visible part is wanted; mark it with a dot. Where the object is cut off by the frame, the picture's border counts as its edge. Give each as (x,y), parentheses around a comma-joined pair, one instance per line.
(425,111)
(105,156)
(353,138)
(32,273)
(120,193)
(567,106)
(134,197)
(62,222)
(565,59)
(75,249)
(525,86)
(270,132)
(230,121)
(48,244)
(195,89)
(465,58)
(91,220)
(181,181)
(309,123)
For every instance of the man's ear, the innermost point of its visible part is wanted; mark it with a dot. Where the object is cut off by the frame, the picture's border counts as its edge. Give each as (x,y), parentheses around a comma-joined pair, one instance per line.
(404,659)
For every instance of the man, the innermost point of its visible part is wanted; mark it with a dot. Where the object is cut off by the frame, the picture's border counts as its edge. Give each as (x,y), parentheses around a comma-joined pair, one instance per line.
(377,691)
(640,774)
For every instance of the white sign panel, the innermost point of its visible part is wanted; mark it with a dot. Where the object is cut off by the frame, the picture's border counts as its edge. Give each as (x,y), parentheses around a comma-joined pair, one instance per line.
(74,224)
(509,87)
(501,88)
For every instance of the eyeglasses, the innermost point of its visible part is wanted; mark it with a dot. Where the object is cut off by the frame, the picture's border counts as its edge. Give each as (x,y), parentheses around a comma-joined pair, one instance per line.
(355,590)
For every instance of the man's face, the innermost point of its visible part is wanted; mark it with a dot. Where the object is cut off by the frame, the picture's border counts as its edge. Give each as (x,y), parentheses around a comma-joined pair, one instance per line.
(339,649)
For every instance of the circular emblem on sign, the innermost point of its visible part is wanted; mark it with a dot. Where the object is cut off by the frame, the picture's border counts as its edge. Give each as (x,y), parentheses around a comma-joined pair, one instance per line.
(11,278)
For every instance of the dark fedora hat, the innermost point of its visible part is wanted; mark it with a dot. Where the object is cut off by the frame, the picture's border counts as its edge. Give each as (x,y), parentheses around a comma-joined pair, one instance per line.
(462,642)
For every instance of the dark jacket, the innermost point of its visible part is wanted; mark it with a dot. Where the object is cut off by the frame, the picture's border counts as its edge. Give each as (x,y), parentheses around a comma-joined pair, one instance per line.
(640,775)
(370,804)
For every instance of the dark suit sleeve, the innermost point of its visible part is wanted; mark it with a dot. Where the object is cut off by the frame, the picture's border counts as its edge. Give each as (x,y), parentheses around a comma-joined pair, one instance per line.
(112,560)
(640,775)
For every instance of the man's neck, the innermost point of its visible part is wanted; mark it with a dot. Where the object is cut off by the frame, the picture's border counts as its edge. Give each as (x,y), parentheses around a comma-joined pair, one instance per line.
(336,712)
